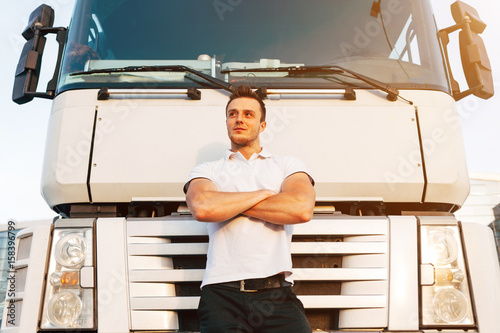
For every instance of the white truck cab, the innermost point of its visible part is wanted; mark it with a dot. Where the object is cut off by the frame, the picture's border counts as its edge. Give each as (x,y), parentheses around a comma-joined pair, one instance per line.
(361,91)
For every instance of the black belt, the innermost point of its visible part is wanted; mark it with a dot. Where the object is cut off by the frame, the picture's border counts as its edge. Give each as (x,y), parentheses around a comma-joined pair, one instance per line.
(253,285)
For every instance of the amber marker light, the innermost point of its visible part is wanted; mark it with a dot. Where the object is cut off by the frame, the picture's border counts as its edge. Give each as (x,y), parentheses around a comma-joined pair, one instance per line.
(69,279)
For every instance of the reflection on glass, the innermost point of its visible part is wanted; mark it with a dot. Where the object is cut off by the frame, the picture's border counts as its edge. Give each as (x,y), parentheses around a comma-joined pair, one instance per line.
(399,46)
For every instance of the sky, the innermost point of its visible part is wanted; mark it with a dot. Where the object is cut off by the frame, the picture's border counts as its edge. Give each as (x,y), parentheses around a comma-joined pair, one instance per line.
(23,128)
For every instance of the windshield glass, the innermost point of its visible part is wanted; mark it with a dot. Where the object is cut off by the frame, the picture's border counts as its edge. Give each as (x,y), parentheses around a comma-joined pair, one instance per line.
(395,44)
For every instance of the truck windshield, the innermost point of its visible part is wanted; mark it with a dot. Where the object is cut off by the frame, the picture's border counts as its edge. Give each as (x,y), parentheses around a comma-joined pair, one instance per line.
(394,43)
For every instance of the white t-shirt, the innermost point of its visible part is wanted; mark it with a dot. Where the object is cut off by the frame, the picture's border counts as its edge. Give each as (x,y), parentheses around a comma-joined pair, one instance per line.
(245,247)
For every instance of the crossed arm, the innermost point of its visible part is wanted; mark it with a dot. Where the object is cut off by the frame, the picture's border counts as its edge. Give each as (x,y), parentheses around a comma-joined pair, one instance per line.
(294,204)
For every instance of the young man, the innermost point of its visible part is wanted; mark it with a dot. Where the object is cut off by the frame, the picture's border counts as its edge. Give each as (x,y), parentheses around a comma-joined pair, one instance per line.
(252,198)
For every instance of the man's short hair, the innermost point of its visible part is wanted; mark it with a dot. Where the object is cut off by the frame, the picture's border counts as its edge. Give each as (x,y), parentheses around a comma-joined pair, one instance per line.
(246,91)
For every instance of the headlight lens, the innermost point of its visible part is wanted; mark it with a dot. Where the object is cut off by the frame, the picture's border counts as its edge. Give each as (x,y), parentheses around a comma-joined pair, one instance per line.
(64,309)
(70,250)
(67,304)
(445,301)
(441,246)
(450,305)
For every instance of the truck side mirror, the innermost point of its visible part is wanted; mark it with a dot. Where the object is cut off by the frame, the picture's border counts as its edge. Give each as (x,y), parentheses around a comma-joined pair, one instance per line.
(28,68)
(43,15)
(475,61)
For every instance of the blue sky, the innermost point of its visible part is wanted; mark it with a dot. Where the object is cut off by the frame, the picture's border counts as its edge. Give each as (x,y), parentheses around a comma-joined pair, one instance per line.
(23,128)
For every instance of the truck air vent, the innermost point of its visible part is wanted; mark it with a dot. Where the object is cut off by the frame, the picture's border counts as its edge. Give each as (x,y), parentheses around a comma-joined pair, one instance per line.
(340,270)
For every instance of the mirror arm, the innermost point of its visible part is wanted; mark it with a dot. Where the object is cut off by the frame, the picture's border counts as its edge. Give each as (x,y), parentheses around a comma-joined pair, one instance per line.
(61,40)
(40,32)
(445,40)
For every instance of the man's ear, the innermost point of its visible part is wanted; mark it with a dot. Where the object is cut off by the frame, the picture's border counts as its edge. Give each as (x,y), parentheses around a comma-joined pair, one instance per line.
(262,126)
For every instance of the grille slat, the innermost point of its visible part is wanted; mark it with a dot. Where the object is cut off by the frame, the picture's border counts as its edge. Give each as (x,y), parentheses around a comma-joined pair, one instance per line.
(300,274)
(187,226)
(173,249)
(167,303)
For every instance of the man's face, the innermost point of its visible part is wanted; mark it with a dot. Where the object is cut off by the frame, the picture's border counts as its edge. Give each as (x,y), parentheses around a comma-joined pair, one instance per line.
(243,121)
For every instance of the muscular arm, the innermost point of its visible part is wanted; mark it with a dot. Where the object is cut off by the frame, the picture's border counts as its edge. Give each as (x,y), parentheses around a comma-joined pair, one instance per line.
(294,204)
(207,204)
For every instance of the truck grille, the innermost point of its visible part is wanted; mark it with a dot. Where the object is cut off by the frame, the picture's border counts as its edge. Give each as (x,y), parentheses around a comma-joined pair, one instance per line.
(340,270)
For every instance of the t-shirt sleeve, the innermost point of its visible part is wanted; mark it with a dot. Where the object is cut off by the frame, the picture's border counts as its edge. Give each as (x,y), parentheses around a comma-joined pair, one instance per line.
(293,165)
(200,171)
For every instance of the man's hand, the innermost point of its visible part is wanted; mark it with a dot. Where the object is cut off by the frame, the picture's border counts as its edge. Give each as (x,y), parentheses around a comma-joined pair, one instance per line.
(294,204)
(207,204)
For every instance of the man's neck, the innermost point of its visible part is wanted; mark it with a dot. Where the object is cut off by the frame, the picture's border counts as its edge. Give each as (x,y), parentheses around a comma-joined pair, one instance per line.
(246,151)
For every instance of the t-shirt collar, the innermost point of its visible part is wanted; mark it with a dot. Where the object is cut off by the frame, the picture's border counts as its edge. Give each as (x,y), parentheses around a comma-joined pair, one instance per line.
(263,153)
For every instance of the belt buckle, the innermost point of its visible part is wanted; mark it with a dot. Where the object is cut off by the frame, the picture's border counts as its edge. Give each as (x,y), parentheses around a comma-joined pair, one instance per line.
(242,288)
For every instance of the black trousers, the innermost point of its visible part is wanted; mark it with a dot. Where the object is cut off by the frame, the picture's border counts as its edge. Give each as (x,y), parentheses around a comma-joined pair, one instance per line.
(224,309)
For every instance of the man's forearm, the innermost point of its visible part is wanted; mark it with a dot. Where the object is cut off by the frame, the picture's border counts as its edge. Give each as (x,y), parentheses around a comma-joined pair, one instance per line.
(284,208)
(215,206)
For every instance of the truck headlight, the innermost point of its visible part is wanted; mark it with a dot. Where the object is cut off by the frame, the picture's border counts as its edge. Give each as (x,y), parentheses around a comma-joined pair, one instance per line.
(450,305)
(69,300)
(442,248)
(64,309)
(445,291)
(70,250)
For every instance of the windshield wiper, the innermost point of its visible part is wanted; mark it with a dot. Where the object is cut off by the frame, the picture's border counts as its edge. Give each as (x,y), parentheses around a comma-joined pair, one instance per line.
(392,93)
(176,68)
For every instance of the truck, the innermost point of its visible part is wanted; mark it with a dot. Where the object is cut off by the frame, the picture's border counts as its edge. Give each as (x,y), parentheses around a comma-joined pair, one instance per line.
(362,91)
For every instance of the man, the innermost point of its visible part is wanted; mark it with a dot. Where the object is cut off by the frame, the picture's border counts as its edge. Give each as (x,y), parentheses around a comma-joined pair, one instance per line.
(253,198)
